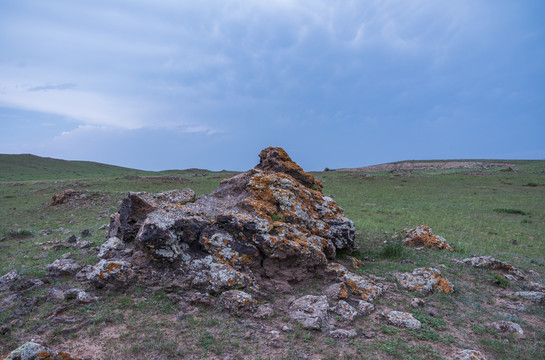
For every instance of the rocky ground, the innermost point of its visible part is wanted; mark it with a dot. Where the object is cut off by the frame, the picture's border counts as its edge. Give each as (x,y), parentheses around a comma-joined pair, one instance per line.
(266,266)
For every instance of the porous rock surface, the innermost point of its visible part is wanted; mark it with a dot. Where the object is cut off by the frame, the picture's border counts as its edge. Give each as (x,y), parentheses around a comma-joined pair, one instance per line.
(508,271)
(424,280)
(469,354)
(269,226)
(508,326)
(34,351)
(422,235)
(310,311)
(402,319)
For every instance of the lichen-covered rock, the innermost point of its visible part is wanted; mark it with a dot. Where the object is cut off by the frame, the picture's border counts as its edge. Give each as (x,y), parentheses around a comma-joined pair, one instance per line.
(422,235)
(34,351)
(344,310)
(115,272)
(469,354)
(238,301)
(424,280)
(535,296)
(368,290)
(272,222)
(65,196)
(490,263)
(9,279)
(365,308)
(336,291)
(531,286)
(508,326)
(310,311)
(85,298)
(399,318)
(109,248)
(62,267)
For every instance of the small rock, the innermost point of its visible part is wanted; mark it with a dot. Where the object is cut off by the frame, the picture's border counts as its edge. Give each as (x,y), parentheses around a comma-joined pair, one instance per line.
(118,273)
(468,354)
(55,295)
(86,233)
(345,311)
(72,239)
(237,301)
(9,279)
(336,291)
(286,328)
(424,280)
(365,308)
(66,256)
(109,247)
(82,275)
(369,334)
(508,326)
(422,235)
(417,302)
(535,296)
(62,267)
(310,311)
(84,244)
(343,334)
(491,263)
(399,318)
(30,350)
(103,227)
(533,286)
(85,298)
(264,311)
(518,306)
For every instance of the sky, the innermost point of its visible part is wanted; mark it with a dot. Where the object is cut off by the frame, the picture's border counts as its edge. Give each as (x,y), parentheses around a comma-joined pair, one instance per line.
(173,84)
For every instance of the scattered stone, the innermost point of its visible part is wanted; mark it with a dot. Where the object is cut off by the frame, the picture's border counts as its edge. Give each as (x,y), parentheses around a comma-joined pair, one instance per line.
(399,318)
(422,235)
(508,326)
(86,233)
(237,301)
(336,291)
(62,197)
(345,311)
(34,351)
(310,311)
(356,263)
(84,244)
(417,302)
(518,306)
(533,286)
(343,334)
(264,311)
(365,308)
(117,273)
(535,296)
(61,267)
(109,247)
(104,227)
(83,274)
(55,295)
(468,354)
(490,263)
(72,239)
(9,279)
(424,280)
(368,290)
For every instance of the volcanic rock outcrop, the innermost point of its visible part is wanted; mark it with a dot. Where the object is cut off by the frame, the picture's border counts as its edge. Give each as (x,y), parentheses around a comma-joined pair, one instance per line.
(269,227)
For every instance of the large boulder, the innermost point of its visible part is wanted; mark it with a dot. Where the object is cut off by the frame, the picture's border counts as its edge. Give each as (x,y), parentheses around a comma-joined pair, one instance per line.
(272,222)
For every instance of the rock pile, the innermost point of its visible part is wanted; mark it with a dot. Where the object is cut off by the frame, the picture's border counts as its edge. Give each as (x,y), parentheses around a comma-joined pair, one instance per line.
(267,228)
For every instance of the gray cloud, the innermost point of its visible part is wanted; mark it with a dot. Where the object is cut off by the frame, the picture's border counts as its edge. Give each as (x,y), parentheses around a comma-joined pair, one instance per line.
(60,87)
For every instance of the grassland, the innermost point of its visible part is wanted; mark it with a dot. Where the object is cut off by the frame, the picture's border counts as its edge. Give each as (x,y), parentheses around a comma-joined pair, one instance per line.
(497,211)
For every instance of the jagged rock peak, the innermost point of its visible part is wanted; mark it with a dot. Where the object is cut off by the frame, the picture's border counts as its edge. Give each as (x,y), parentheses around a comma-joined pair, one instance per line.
(276,159)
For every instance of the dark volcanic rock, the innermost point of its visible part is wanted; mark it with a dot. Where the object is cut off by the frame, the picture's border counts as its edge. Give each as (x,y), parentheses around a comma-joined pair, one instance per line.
(272,222)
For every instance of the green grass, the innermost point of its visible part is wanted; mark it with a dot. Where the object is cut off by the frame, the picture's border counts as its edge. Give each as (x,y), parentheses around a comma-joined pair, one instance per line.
(478,214)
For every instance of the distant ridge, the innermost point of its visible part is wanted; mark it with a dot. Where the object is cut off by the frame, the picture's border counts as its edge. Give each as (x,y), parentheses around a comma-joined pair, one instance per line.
(28,167)
(442,165)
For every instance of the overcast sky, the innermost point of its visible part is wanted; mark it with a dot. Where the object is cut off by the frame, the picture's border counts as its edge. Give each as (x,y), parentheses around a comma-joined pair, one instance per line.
(172,84)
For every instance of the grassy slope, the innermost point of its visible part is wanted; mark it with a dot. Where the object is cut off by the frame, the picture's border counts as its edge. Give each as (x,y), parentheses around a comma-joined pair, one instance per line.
(26,167)
(459,206)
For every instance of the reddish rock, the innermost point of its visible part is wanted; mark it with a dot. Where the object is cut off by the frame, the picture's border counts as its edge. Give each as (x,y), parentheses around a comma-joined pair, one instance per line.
(422,235)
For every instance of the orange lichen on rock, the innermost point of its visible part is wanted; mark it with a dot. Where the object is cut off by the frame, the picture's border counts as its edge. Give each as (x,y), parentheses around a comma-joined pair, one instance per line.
(61,197)
(424,280)
(422,235)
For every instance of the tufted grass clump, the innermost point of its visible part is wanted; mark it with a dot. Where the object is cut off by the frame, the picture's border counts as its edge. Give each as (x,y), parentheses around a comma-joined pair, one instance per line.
(393,251)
